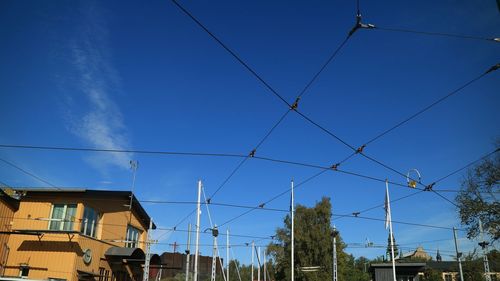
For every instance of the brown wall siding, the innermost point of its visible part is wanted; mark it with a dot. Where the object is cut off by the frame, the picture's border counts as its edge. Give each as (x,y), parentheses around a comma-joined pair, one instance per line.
(54,255)
(6,216)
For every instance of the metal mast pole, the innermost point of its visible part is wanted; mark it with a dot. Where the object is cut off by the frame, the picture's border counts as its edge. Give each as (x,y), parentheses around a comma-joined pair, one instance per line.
(253,246)
(334,254)
(214,257)
(265,268)
(227,254)
(459,255)
(198,212)
(258,261)
(390,229)
(292,210)
(484,246)
(145,277)
(188,254)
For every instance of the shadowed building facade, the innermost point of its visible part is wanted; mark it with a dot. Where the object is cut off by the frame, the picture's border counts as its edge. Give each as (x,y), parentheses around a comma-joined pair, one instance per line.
(76,234)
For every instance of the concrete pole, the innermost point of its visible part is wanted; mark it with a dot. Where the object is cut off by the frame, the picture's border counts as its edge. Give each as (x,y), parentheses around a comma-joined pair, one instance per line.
(227,254)
(458,254)
(258,261)
(265,268)
(253,246)
(198,213)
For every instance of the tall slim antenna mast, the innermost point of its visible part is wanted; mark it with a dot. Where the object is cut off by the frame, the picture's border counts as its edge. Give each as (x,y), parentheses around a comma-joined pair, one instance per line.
(134,164)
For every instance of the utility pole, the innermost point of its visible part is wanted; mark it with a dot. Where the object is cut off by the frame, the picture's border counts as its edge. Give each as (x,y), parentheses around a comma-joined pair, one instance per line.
(188,254)
(265,268)
(227,254)
(253,246)
(459,255)
(258,261)
(198,213)
(292,211)
(334,235)
(145,277)
(484,246)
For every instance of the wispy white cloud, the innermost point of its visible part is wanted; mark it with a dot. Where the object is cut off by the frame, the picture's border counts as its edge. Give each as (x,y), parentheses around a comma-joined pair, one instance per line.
(97,121)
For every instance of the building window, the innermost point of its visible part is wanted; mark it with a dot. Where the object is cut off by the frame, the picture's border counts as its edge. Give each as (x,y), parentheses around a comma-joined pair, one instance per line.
(89,222)
(63,216)
(132,237)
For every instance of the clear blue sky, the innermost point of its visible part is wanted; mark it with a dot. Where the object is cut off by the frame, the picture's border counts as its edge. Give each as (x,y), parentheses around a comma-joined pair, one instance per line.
(121,74)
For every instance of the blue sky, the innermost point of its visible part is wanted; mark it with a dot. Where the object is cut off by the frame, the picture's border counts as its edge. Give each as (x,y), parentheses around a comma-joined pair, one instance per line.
(121,74)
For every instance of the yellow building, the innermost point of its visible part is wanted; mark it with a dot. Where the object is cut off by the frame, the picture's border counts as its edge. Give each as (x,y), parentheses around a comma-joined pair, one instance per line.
(76,235)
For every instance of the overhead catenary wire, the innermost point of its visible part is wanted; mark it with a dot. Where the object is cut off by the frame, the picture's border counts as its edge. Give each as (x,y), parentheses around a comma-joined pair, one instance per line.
(115,150)
(467,166)
(444,34)
(28,173)
(431,105)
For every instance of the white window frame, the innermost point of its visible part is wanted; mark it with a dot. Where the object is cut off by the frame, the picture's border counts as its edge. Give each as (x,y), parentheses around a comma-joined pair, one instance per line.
(62,222)
(93,225)
(133,239)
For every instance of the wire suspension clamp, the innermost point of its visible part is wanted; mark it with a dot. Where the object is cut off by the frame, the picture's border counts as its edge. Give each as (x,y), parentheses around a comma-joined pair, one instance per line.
(360,149)
(252,153)
(359,25)
(429,187)
(335,166)
(493,68)
(295,105)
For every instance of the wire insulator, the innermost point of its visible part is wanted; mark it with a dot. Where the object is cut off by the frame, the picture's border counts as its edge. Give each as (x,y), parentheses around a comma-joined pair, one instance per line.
(262,205)
(208,200)
(295,105)
(360,149)
(252,153)
(356,214)
(493,68)
(335,166)
(429,187)
(496,39)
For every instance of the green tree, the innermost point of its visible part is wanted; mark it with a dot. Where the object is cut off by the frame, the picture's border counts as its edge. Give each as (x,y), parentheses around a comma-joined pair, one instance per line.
(432,275)
(472,267)
(388,250)
(313,245)
(477,198)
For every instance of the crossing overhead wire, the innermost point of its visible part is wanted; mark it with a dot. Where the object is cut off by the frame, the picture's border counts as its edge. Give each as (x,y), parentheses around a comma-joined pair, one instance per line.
(61,148)
(231,52)
(250,155)
(220,233)
(272,199)
(28,173)
(357,213)
(399,222)
(323,67)
(467,166)
(426,108)
(461,36)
